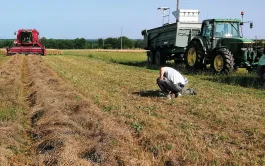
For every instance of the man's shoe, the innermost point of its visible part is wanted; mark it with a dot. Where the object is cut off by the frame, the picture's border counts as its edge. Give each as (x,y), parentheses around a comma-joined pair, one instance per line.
(178,94)
(164,95)
(168,96)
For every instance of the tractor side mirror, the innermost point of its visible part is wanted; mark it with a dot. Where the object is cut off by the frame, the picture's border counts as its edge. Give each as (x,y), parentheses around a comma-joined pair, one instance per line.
(15,33)
(251,25)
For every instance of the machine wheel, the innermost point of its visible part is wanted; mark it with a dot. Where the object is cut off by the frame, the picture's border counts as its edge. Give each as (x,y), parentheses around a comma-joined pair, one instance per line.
(177,62)
(193,56)
(223,61)
(150,57)
(159,59)
(262,73)
(180,59)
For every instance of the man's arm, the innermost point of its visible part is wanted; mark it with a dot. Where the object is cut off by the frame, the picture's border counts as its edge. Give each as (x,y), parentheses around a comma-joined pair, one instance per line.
(162,71)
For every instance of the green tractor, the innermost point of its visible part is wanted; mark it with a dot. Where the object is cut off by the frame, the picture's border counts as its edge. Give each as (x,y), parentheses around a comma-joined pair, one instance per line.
(221,45)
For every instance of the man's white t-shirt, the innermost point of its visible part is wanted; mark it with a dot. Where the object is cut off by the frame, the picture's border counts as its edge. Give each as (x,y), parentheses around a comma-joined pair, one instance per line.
(174,76)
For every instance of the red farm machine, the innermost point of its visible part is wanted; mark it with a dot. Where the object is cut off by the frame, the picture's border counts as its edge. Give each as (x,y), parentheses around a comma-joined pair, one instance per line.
(27,42)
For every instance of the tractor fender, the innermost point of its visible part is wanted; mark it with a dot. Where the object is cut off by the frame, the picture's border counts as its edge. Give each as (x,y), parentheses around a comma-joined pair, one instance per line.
(199,40)
(261,66)
(262,60)
(217,48)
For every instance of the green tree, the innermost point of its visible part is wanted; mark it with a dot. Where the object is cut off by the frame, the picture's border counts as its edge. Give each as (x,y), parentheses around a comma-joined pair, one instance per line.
(126,42)
(100,43)
(139,44)
(80,43)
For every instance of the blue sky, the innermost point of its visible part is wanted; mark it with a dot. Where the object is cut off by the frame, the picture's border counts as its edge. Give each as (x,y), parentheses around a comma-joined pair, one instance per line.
(104,18)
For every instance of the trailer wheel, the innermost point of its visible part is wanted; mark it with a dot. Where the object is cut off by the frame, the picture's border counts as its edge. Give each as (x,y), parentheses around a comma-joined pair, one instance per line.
(222,61)
(150,57)
(193,56)
(159,58)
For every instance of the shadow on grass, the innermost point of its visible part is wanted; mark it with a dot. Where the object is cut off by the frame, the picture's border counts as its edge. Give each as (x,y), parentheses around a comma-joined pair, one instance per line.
(247,81)
(138,64)
(144,64)
(148,93)
(201,72)
(180,67)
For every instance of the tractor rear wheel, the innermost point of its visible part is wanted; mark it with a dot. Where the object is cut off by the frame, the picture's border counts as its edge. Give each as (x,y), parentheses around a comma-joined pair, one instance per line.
(150,57)
(159,58)
(193,56)
(222,61)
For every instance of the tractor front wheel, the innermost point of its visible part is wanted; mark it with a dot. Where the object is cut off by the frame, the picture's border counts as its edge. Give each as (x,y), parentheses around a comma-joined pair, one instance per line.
(223,61)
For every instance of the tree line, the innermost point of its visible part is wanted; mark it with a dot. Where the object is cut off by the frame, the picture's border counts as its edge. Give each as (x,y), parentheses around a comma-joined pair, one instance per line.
(81,43)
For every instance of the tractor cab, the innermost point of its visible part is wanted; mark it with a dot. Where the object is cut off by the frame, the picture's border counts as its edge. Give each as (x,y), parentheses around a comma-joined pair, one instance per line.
(220,28)
(218,31)
(25,37)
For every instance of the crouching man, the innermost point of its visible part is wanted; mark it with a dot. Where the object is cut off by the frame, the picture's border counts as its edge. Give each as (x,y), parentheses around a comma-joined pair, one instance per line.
(171,82)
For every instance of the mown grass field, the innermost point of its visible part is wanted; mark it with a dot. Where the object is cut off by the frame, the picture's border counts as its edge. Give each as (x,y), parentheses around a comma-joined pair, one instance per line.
(223,125)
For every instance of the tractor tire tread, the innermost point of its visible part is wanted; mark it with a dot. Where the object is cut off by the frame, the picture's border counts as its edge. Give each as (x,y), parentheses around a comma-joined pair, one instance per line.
(228,60)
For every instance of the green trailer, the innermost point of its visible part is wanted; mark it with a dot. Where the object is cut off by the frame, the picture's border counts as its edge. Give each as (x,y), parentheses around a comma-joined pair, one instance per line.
(169,42)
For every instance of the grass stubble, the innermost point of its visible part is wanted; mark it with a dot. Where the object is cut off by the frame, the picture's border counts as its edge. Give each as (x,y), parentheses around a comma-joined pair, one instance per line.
(222,125)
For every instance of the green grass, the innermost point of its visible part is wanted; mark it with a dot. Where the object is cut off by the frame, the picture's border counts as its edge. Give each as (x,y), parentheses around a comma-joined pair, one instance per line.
(10,114)
(3,58)
(222,125)
(118,57)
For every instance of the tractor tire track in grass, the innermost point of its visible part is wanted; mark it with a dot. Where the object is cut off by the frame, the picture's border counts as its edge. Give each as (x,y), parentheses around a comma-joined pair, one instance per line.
(67,129)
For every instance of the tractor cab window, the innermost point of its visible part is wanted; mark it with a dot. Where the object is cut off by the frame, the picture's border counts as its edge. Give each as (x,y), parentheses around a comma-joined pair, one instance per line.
(207,30)
(227,29)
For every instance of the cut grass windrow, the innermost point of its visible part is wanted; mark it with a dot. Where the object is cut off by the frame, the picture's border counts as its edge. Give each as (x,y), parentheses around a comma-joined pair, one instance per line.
(13,139)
